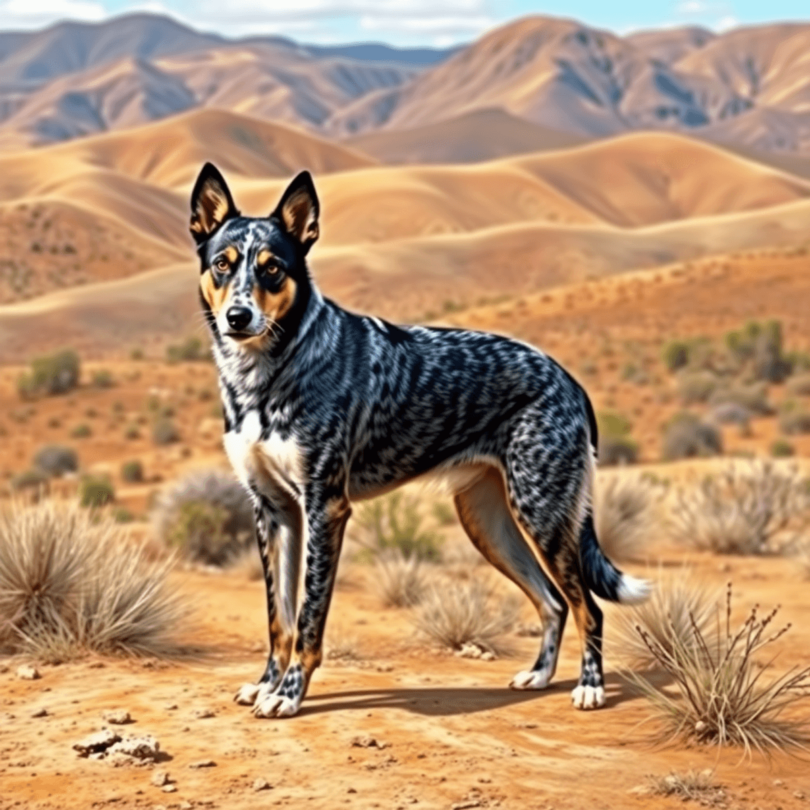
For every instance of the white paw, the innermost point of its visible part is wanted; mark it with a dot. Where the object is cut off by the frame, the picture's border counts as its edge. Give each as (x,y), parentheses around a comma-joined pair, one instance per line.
(246,696)
(588,697)
(276,706)
(531,679)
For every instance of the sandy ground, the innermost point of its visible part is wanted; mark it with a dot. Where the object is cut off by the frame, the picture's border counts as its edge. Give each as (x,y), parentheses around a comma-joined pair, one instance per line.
(449,732)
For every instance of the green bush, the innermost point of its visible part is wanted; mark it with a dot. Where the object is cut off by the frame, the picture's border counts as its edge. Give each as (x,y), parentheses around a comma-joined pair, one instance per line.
(190,350)
(794,418)
(136,354)
(782,449)
(95,491)
(769,360)
(686,436)
(50,375)
(394,524)
(615,444)
(82,431)
(55,460)
(132,433)
(132,471)
(697,386)
(753,397)
(164,431)
(29,480)
(675,355)
(103,379)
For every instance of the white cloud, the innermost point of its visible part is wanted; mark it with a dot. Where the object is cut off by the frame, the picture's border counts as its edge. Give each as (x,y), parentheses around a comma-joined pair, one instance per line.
(434,25)
(36,13)
(726,23)
(692,7)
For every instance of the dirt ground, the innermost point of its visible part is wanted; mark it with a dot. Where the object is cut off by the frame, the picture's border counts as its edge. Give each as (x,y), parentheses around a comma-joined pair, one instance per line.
(448,732)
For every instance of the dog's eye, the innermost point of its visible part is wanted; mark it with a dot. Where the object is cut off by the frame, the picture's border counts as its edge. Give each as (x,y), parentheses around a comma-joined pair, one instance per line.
(222,264)
(269,269)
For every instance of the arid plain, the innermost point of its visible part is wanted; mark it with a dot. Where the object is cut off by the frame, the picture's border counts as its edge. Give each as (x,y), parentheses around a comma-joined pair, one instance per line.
(486,190)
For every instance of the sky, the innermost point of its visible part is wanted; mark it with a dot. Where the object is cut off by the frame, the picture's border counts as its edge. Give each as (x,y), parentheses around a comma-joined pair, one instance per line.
(438,23)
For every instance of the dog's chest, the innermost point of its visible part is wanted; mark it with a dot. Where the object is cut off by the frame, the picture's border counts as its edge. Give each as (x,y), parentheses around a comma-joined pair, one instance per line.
(268,458)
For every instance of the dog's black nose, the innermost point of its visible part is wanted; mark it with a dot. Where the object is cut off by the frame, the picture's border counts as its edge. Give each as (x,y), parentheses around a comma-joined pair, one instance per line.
(239,318)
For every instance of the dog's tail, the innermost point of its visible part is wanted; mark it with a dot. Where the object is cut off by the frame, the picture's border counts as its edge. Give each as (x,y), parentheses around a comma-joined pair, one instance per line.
(601,575)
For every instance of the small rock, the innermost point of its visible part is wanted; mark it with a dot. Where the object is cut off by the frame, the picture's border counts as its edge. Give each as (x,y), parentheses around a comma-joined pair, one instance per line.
(28,673)
(145,747)
(529,630)
(3,669)
(203,763)
(487,656)
(465,805)
(469,651)
(185,805)
(40,713)
(351,790)
(97,743)
(778,783)
(261,784)
(169,707)
(170,788)
(367,741)
(385,668)
(96,665)
(160,778)
(797,794)
(118,717)
(202,714)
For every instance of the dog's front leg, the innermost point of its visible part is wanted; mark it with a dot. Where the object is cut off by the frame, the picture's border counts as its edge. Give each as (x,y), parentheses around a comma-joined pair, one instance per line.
(326,521)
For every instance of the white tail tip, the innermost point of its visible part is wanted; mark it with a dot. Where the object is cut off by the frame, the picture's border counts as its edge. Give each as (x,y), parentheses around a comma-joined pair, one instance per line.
(632,590)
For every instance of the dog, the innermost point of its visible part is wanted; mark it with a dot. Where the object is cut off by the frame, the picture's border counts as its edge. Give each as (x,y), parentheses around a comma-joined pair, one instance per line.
(323,407)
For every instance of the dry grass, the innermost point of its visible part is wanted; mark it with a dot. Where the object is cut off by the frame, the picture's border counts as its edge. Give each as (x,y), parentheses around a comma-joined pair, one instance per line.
(677,603)
(341,647)
(455,614)
(400,581)
(721,697)
(694,786)
(749,508)
(625,510)
(71,583)
(248,564)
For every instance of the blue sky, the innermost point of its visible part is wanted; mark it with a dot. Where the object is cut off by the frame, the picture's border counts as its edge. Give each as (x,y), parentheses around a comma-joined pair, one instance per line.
(403,22)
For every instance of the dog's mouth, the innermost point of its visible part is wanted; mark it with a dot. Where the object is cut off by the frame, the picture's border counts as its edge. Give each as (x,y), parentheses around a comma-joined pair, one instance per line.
(245,337)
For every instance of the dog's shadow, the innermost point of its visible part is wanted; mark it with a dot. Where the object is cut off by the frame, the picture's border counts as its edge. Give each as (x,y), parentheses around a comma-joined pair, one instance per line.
(447,701)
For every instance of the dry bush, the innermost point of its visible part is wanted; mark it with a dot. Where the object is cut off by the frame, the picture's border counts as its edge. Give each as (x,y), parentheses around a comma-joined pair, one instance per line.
(677,603)
(56,460)
(248,564)
(455,614)
(341,647)
(686,436)
(749,508)
(206,515)
(400,581)
(721,697)
(70,583)
(695,786)
(394,523)
(697,386)
(625,507)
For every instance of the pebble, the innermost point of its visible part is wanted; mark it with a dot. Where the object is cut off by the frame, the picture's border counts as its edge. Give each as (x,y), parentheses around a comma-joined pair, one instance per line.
(28,673)
(203,763)
(40,713)
(367,741)
(160,778)
(170,788)
(118,717)
(96,743)
(145,747)
(261,784)
(202,714)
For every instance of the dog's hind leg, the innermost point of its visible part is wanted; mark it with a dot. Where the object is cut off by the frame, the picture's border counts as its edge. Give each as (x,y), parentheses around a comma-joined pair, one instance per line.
(484,513)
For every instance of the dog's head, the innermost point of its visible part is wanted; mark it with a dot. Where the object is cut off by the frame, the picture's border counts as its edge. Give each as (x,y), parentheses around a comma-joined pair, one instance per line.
(254,282)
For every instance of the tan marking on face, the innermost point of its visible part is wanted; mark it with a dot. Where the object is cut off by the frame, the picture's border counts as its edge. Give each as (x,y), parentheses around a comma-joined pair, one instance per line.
(264,257)
(231,254)
(276,305)
(214,296)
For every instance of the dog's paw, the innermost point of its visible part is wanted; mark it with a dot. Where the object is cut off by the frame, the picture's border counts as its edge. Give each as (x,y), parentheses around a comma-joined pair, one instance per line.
(588,697)
(531,679)
(246,696)
(276,706)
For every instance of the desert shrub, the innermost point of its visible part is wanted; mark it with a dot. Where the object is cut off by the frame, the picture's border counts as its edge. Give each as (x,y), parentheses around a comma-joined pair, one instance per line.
(752,397)
(444,514)
(675,355)
(748,508)
(190,350)
(81,431)
(122,515)
(29,480)
(132,433)
(103,379)
(624,511)
(400,581)
(95,491)
(55,460)
(697,386)
(690,786)
(70,583)
(799,386)
(456,614)
(132,471)
(769,361)
(342,647)
(206,515)
(794,418)
(394,523)
(136,354)
(615,444)
(730,413)
(667,617)
(721,697)
(782,449)
(799,362)
(164,431)
(52,374)
(686,436)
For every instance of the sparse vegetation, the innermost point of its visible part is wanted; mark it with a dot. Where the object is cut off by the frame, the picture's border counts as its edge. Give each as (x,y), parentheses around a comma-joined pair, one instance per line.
(676,355)
(50,375)
(96,491)
(103,379)
(615,444)
(394,523)
(721,697)
(799,386)
(164,432)
(749,508)
(81,431)
(752,397)
(400,581)
(55,460)
(206,515)
(782,449)
(191,350)
(132,471)
(686,436)
(697,386)
(456,614)
(29,480)
(71,583)
(625,508)
(694,786)
(794,418)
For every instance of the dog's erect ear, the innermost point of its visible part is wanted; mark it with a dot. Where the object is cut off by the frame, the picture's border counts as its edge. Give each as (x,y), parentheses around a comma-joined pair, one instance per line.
(299,209)
(211,203)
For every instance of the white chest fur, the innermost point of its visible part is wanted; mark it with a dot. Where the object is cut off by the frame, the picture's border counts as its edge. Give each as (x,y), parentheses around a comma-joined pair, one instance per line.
(269,462)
